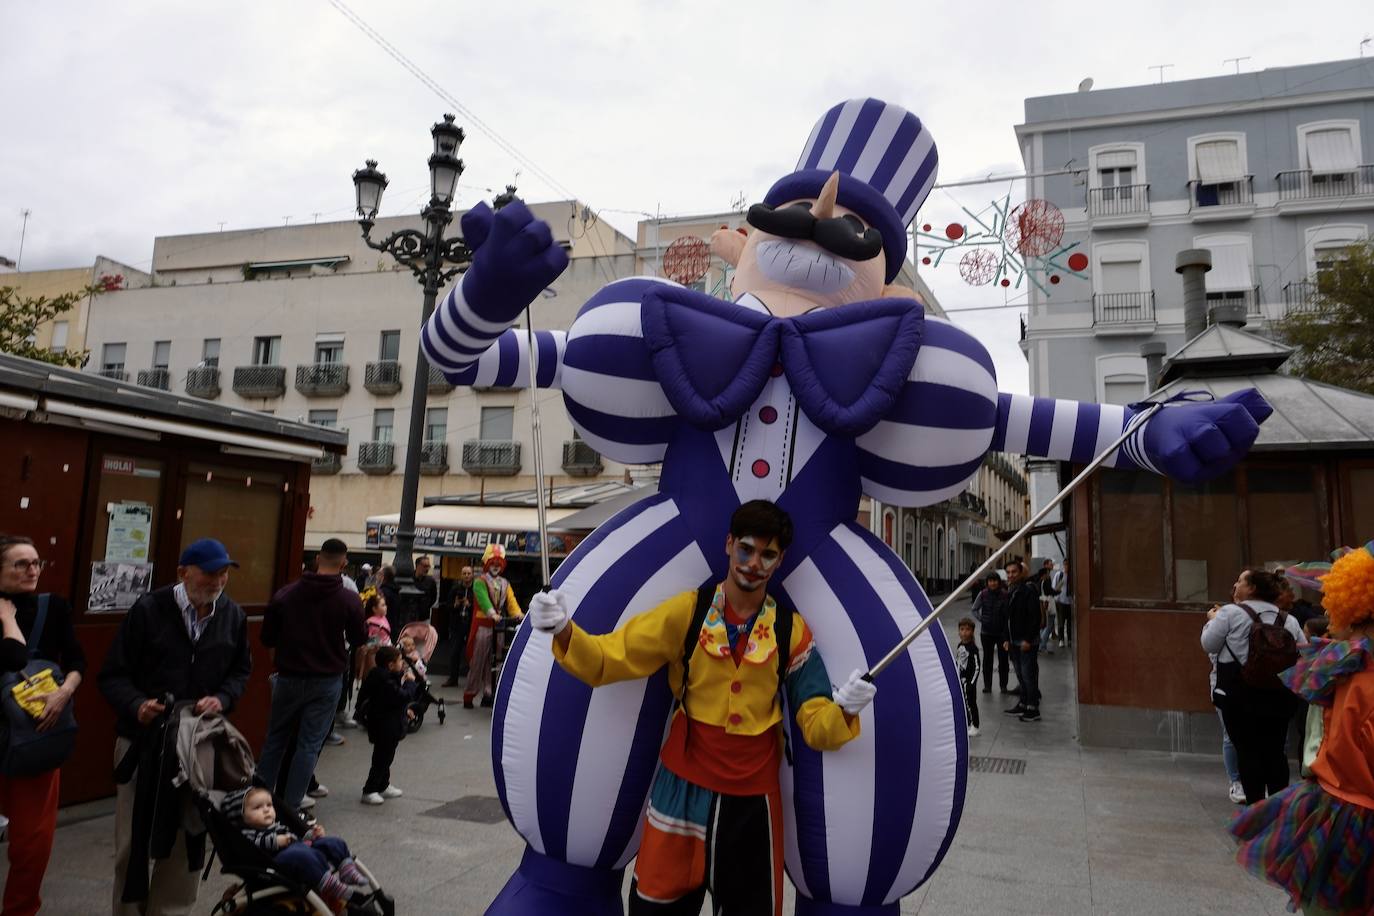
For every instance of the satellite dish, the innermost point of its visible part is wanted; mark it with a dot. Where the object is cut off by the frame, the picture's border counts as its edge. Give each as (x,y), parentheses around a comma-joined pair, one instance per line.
(1086,85)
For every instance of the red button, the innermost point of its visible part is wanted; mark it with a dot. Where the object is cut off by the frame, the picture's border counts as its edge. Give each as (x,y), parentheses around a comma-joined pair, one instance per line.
(735,687)
(768,414)
(736,718)
(760,468)
(777,370)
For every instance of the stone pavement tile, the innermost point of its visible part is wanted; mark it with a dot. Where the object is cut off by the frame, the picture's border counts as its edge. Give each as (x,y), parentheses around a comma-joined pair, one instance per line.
(1140,836)
(955,894)
(1112,896)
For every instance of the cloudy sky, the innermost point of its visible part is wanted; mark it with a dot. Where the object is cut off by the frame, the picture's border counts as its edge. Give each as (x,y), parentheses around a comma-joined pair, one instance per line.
(127,121)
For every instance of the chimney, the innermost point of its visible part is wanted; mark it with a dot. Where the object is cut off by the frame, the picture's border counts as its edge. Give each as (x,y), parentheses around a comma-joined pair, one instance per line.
(1193,264)
(1153,351)
(1228,313)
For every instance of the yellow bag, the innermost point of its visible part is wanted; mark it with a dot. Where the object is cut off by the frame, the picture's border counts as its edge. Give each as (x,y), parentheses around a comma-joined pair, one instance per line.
(27,692)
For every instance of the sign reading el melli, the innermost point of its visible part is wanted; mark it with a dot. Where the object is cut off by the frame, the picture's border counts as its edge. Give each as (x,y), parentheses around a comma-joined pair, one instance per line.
(432,537)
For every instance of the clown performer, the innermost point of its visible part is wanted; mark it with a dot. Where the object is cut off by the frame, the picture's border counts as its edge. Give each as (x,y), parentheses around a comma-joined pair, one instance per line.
(493,596)
(820,382)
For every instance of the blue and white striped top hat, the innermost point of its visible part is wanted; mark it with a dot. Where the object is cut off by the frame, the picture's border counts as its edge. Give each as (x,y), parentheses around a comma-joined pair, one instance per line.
(887,163)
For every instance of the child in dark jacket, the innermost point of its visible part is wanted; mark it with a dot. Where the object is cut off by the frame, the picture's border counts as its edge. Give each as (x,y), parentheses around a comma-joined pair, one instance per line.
(966,657)
(320,862)
(385,696)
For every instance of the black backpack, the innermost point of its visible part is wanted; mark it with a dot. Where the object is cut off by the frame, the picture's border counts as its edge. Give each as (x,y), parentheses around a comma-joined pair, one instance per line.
(1272,649)
(25,751)
(782,627)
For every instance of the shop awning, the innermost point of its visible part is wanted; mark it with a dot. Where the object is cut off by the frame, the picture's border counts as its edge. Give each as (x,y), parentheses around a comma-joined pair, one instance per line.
(469,529)
(591,517)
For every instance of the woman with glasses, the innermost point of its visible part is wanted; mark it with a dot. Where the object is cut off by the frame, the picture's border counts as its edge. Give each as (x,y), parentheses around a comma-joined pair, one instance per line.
(30,802)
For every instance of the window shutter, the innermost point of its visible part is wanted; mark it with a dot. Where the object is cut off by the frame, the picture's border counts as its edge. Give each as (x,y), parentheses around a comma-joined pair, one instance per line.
(1219,160)
(1116,159)
(1331,151)
(1231,268)
(1119,277)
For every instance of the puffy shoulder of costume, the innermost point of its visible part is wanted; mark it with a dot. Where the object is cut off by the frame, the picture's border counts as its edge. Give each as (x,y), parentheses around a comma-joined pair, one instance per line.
(627,290)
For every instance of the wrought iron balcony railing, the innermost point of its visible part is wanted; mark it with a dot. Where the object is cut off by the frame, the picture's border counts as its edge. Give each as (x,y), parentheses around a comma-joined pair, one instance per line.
(433,458)
(580,459)
(1235,192)
(382,377)
(491,457)
(1303,184)
(155,378)
(437,383)
(1123,308)
(1302,296)
(203,382)
(260,381)
(119,375)
(324,380)
(376,457)
(1249,298)
(329,464)
(1119,200)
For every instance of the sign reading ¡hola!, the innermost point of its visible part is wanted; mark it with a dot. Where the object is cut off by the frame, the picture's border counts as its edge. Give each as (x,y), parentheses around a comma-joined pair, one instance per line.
(113,465)
(430,537)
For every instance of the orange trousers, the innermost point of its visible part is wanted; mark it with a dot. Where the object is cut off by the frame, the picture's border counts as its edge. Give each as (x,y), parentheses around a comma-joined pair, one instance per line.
(30,802)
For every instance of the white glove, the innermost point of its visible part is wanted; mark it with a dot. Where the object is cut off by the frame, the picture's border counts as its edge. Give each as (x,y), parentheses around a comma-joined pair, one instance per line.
(549,611)
(855,694)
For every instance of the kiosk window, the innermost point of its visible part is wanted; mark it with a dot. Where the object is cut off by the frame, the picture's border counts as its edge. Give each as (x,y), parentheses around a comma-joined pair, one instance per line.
(242,509)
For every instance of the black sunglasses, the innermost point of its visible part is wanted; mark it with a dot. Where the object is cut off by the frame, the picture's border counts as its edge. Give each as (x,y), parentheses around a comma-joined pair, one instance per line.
(845,236)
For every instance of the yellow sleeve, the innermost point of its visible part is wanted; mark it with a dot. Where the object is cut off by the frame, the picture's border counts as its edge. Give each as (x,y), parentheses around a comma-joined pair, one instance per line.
(825,726)
(644,644)
(513,606)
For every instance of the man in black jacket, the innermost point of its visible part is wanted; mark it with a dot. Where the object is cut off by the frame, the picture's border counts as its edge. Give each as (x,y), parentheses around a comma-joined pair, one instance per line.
(307,623)
(990,609)
(1023,643)
(188,641)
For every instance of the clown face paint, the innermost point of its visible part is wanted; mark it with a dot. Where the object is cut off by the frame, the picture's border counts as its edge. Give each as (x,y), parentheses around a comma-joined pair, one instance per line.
(752,565)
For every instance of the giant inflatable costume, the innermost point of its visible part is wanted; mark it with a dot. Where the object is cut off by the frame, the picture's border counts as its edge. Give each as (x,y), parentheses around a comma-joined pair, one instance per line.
(818,383)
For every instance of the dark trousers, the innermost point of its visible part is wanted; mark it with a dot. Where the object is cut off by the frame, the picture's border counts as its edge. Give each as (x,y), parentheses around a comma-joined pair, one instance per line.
(458,637)
(991,645)
(309,863)
(1063,622)
(1257,728)
(1027,664)
(383,754)
(971,702)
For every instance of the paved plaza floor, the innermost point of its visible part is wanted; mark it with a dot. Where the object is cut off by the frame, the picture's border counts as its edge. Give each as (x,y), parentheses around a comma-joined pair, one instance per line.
(1080,830)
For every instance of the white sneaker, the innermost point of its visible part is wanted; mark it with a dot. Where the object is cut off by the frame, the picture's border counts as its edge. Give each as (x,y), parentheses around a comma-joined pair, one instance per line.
(372,798)
(973,731)
(1061,643)
(307,803)
(320,791)
(1237,793)
(392,792)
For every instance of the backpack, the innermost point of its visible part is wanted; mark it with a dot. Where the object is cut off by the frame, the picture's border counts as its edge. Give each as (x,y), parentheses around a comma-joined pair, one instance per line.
(25,751)
(1272,649)
(362,707)
(782,628)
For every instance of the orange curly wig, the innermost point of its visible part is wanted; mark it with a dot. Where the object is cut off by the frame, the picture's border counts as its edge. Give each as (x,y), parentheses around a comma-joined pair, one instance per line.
(1348,590)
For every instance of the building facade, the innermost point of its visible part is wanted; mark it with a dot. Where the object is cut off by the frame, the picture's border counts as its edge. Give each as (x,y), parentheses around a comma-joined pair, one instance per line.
(1270,171)
(66,333)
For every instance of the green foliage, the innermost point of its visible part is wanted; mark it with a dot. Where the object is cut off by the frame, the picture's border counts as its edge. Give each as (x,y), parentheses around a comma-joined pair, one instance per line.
(1334,339)
(20,317)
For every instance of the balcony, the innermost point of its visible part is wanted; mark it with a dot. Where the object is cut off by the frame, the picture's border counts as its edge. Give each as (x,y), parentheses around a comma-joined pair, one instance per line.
(157,377)
(1219,200)
(376,457)
(1119,206)
(382,377)
(1301,191)
(433,458)
(1124,313)
(580,459)
(331,463)
(322,380)
(491,457)
(1248,299)
(203,382)
(119,375)
(1302,296)
(437,383)
(260,381)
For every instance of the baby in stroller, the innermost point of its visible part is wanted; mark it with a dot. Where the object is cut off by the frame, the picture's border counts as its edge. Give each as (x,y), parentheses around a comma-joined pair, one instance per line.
(416,642)
(315,860)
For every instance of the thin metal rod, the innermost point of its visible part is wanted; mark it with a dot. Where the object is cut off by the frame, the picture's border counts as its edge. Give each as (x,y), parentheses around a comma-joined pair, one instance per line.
(998,179)
(537,435)
(1063,494)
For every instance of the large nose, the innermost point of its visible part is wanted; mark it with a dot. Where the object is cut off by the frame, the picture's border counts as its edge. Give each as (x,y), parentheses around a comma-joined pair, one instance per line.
(824,208)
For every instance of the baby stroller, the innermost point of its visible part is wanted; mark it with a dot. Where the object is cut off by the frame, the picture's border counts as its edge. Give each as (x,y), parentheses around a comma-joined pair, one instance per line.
(426,638)
(214,759)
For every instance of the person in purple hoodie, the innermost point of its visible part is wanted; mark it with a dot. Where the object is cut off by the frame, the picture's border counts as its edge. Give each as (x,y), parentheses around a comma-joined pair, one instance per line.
(310,624)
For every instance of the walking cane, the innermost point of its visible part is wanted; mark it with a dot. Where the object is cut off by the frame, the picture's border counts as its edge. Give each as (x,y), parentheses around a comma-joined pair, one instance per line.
(1136,422)
(537,435)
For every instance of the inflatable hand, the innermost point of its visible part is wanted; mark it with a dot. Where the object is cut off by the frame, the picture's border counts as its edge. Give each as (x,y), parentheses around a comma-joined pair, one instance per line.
(1194,442)
(549,612)
(514,258)
(855,694)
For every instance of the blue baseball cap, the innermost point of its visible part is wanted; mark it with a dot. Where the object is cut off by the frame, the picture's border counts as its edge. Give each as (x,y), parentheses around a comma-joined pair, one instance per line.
(208,554)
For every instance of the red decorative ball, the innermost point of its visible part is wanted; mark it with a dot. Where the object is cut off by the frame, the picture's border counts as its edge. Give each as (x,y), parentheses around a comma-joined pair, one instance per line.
(954,231)
(926,227)
(1054,278)
(925,260)
(1006,282)
(1078,261)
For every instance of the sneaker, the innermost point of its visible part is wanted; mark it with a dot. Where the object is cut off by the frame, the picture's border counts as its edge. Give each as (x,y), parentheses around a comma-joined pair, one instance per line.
(1031,715)
(372,798)
(1061,643)
(1003,689)
(334,739)
(973,731)
(306,803)
(348,721)
(320,791)
(1016,710)
(392,792)
(987,690)
(1237,793)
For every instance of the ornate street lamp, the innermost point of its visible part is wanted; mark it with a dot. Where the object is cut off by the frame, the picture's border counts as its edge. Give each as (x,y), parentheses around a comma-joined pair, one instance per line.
(429,256)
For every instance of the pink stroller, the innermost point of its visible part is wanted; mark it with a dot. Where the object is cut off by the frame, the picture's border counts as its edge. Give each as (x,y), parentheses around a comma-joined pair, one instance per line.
(425,637)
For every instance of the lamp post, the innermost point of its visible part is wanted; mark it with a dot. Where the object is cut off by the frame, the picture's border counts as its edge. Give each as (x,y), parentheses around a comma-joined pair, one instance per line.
(429,256)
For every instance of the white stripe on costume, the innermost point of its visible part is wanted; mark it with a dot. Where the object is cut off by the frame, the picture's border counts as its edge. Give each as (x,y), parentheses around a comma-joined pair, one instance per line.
(1017,440)
(631,397)
(840,135)
(932,446)
(876,146)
